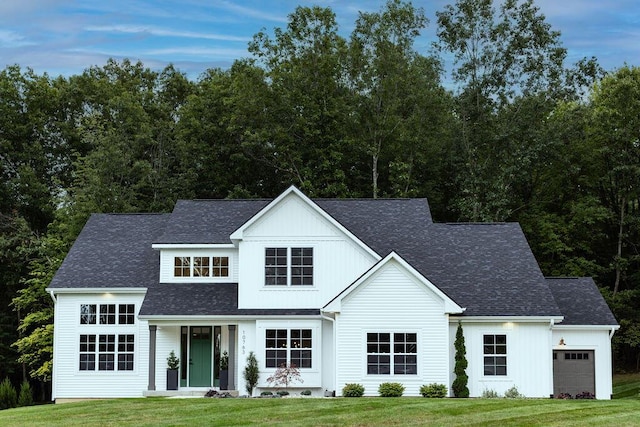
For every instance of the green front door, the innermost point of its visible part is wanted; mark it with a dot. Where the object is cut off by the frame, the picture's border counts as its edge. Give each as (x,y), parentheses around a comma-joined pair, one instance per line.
(200,356)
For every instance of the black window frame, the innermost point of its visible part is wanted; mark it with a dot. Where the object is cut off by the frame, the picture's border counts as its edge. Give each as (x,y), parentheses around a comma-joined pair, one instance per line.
(289,346)
(392,353)
(289,266)
(495,355)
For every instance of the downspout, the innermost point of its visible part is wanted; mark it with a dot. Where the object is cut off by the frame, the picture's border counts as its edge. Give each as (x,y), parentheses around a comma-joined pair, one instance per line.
(613,331)
(53,296)
(335,353)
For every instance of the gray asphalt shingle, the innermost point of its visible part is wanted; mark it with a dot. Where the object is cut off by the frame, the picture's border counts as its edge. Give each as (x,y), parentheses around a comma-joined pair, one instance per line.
(580,300)
(487,268)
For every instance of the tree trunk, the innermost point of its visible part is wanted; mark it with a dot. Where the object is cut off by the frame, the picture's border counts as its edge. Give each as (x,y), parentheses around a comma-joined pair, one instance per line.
(616,286)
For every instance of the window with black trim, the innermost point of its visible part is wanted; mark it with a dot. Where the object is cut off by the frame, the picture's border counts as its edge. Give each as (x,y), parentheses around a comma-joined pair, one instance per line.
(88,314)
(392,352)
(87,352)
(495,355)
(288,266)
(125,352)
(103,348)
(107,314)
(288,346)
(275,266)
(126,314)
(106,352)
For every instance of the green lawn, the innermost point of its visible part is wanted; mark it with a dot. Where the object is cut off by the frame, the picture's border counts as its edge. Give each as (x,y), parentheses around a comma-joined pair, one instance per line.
(624,410)
(329,412)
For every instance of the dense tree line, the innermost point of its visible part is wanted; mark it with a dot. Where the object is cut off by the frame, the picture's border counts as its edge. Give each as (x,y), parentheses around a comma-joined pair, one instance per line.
(520,136)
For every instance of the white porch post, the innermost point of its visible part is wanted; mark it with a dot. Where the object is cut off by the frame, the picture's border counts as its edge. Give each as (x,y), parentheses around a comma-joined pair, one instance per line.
(232,357)
(152,357)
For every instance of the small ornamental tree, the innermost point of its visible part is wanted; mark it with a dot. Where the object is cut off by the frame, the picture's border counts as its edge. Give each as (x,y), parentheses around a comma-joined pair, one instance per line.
(251,373)
(459,385)
(285,375)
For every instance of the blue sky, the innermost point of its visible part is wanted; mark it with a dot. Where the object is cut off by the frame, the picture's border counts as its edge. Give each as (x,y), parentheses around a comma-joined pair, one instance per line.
(67,36)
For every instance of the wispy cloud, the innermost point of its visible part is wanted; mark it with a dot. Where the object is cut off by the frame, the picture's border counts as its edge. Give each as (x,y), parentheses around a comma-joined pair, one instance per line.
(13,39)
(161,32)
(260,14)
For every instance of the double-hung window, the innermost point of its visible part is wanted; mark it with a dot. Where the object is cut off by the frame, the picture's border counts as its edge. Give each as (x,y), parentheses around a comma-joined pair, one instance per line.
(288,266)
(288,346)
(495,355)
(392,352)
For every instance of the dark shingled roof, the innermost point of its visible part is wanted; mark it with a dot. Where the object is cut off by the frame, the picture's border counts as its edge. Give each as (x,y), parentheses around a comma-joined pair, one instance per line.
(204,299)
(487,268)
(113,250)
(208,221)
(580,301)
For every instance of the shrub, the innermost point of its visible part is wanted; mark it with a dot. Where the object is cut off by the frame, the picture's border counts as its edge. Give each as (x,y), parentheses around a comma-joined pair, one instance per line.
(25,398)
(285,375)
(459,385)
(251,373)
(434,390)
(353,390)
(266,393)
(585,395)
(513,393)
(8,395)
(390,390)
(565,396)
(306,393)
(489,394)
(282,393)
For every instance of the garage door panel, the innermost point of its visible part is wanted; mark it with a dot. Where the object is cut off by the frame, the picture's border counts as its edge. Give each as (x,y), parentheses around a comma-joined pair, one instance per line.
(573,372)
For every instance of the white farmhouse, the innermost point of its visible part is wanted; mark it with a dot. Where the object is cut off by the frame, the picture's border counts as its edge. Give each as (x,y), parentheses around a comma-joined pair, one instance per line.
(348,290)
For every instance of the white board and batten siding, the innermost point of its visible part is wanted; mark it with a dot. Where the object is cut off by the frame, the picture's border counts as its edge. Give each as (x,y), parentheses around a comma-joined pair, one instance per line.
(167,263)
(596,339)
(529,358)
(70,382)
(337,259)
(393,301)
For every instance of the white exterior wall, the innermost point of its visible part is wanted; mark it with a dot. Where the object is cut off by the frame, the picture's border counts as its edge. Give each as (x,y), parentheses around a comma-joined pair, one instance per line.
(69,381)
(529,358)
(392,300)
(246,344)
(597,340)
(337,259)
(311,377)
(167,264)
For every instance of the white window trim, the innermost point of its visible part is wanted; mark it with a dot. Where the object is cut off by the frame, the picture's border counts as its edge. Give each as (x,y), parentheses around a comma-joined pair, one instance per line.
(391,361)
(482,356)
(289,267)
(192,277)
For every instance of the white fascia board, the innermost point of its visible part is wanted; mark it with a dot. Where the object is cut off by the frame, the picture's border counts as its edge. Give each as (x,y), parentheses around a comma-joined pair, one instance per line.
(97,290)
(586,327)
(451,307)
(502,319)
(238,234)
(188,320)
(193,246)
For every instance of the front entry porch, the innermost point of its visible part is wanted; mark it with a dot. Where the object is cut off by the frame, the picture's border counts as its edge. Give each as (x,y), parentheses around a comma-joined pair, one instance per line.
(200,350)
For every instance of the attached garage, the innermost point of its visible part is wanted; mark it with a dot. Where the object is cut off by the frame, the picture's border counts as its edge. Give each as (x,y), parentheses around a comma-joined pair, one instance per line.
(574,372)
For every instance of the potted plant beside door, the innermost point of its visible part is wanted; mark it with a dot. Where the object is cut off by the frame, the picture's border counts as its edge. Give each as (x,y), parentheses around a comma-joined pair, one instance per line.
(224,371)
(172,371)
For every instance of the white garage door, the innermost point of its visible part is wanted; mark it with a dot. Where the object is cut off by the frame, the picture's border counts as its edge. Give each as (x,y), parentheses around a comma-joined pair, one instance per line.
(573,372)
